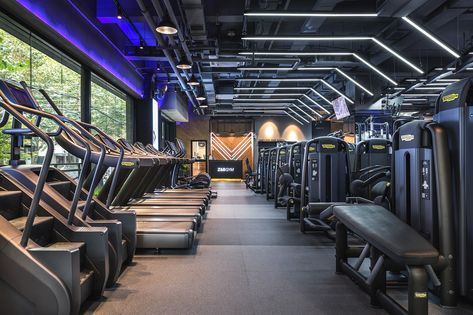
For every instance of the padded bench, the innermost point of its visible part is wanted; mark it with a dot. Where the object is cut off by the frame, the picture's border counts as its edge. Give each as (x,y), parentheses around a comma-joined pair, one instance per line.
(388,238)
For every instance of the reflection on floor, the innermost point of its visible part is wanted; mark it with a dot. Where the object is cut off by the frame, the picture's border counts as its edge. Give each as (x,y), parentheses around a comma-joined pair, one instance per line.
(249,260)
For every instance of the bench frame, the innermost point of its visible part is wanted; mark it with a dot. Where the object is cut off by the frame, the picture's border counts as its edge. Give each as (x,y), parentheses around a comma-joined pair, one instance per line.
(375,283)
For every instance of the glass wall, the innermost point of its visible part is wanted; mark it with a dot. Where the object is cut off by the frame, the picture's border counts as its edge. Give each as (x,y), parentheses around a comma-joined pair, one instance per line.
(108,109)
(24,57)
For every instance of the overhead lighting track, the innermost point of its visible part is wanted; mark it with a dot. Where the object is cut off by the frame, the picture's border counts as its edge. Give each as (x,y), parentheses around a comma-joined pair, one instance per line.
(300,122)
(308,14)
(268,94)
(356,56)
(310,108)
(317,104)
(305,113)
(431,37)
(298,115)
(299,80)
(341,72)
(334,38)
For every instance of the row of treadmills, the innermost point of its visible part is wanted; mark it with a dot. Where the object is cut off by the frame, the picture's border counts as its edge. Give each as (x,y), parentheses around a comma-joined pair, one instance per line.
(61,243)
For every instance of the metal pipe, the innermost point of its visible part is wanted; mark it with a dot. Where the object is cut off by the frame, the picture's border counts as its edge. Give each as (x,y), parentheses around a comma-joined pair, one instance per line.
(150,21)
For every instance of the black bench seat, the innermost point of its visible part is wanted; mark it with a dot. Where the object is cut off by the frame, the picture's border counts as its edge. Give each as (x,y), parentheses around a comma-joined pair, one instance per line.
(388,238)
(389,234)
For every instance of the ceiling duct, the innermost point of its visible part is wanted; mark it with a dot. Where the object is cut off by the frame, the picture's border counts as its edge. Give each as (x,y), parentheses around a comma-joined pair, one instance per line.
(174,106)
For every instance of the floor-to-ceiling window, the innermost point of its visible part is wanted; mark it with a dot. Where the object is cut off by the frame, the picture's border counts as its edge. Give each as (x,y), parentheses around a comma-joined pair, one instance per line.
(108,108)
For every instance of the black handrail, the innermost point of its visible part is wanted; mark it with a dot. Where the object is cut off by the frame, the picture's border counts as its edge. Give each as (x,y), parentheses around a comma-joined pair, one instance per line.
(80,126)
(43,174)
(86,160)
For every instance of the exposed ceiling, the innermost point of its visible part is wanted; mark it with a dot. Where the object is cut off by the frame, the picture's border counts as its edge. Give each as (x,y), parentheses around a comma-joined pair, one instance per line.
(278,65)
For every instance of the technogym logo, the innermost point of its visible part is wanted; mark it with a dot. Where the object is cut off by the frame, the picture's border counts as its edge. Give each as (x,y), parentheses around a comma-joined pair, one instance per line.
(407,138)
(450,97)
(225,169)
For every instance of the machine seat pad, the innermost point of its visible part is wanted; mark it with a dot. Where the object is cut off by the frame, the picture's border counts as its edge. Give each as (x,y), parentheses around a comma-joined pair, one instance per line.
(386,232)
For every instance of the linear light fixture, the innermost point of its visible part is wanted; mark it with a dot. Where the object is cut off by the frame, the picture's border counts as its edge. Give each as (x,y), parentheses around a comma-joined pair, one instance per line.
(272,88)
(420,95)
(265,69)
(431,37)
(334,38)
(305,113)
(298,115)
(317,104)
(374,69)
(430,88)
(336,91)
(269,94)
(342,73)
(310,108)
(300,122)
(280,80)
(294,53)
(300,80)
(310,69)
(321,96)
(358,57)
(264,99)
(307,14)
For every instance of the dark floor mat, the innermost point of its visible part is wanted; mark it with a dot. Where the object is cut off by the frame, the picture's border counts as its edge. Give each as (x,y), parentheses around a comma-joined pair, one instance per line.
(270,232)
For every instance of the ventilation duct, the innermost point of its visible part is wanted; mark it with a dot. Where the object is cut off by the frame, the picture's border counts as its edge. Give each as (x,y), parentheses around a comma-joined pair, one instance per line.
(174,106)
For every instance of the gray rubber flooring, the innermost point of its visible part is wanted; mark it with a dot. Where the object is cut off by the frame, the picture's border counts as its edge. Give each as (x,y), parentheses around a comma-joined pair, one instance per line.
(249,260)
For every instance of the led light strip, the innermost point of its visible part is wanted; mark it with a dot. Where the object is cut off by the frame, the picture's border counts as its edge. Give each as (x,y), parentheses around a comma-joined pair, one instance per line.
(265,68)
(305,14)
(231,151)
(342,73)
(273,88)
(332,38)
(321,96)
(372,67)
(312,69)
(431,37)
(300,108)
(285,88)
(336,91)
(315,103)
(299,80)
(310,108)
(269,94)
(264,99)
(300,122)
(298,115)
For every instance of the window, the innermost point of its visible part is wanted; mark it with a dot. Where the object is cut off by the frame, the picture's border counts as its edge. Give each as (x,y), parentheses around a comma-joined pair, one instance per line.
(108,109)
(21,62)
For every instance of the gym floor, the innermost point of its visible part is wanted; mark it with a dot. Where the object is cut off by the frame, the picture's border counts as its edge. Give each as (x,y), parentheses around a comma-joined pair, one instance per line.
(249,260)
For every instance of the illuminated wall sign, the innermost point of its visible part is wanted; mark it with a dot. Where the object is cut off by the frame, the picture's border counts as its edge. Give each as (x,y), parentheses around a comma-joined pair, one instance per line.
(226,169)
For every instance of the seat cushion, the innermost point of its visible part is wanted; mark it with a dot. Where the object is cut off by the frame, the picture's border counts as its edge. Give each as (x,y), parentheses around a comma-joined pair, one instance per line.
(386,232)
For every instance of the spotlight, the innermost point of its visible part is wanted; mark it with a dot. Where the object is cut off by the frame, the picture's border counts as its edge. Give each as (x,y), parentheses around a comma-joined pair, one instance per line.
(193,81)
(119,12)
(166,26)
(184,64)
(200,97)
(142,44)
